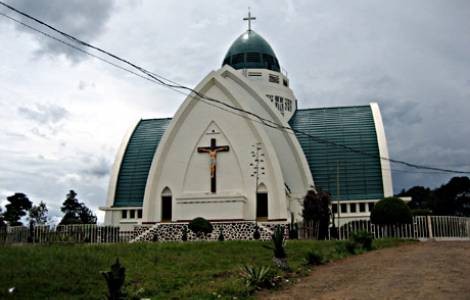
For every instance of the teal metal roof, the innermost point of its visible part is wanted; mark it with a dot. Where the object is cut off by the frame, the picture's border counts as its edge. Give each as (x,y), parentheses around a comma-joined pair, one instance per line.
(251,51)
(360,176)
(137,160)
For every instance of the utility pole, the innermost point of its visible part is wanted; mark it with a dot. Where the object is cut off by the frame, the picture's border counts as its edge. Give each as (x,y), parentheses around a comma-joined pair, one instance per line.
(338,208)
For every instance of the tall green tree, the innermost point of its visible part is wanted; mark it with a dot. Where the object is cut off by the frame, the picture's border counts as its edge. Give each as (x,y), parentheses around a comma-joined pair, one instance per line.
(17,208)
(316,211)
(38,214)
(76,212)
(2,221)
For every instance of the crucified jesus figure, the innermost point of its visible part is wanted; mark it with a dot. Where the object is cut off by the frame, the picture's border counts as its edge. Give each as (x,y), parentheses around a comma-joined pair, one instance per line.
(212,151)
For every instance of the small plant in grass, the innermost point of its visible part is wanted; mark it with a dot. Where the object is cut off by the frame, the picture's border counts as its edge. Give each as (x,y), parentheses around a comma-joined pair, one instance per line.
(359,241)
(257,277)
(278,247)
(200,226)
(115,281)
(314,258)
(221,237)
(184,233)
(293,229)
(256,233)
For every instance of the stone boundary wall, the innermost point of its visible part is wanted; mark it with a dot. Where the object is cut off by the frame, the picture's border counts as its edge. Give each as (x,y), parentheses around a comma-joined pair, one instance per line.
(231,231)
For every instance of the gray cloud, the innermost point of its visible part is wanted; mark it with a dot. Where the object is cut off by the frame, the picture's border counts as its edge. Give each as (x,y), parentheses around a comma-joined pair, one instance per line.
(84,19)
(49,114)
(99,168)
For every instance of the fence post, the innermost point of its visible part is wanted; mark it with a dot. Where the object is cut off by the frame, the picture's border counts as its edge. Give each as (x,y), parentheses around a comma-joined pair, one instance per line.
(429,227)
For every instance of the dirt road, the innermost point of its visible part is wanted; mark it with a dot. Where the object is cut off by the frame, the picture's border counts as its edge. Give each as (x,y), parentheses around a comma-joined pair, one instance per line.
(428,270)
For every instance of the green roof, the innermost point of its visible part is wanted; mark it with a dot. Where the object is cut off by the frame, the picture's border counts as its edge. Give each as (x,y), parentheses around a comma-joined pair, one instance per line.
(360,175)
(251,51)
(137,160)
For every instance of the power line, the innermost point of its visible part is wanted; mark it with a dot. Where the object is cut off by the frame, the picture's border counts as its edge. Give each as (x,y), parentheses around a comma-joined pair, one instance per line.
(176,86)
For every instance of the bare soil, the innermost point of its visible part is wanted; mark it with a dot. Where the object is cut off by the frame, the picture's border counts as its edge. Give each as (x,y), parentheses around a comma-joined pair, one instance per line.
(427,270)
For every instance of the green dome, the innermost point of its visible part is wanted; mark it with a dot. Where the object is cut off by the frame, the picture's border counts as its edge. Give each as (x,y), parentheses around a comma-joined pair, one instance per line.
(251,51)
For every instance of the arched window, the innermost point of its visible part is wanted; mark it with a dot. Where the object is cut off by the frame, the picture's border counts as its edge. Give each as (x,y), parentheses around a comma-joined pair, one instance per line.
(262,202)
(166,205)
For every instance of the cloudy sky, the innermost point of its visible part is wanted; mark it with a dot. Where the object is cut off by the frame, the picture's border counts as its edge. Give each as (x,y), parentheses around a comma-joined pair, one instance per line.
(63,114)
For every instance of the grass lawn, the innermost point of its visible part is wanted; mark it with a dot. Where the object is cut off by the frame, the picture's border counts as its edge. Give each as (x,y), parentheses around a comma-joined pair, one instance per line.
(198,270)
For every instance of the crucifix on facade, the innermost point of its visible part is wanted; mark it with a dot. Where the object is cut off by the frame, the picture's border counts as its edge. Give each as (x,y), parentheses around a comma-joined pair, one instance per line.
(212,151)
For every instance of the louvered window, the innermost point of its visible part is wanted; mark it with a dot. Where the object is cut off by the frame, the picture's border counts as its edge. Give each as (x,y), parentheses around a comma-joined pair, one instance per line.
(253,57)
(238,58)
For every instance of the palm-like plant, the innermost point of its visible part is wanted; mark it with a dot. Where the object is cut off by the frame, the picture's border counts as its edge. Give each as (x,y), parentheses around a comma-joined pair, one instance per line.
(256,277)
(278,247)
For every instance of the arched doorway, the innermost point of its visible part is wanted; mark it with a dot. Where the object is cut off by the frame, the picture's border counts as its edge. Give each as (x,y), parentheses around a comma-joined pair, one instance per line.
(262,203)
(166,212)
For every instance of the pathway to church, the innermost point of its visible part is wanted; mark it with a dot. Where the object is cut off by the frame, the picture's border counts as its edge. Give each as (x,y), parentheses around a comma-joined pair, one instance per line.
(429,270)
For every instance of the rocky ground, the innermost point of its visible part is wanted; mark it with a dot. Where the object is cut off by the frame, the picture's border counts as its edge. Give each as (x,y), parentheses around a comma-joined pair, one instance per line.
(427,270)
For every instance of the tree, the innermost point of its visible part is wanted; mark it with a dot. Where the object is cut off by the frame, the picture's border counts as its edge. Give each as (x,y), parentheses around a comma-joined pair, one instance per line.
(391,210)
(17,208)
(38,214)
(447,195)
(76,212)
(316,211)
(421,197)
(2,221)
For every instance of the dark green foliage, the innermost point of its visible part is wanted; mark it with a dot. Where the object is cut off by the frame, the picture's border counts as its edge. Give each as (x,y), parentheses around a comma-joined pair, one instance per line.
(314,258)
(293,229)
(279,242)
(316,210)
(421,212)
(76,212)
(184,234)
(221,237)
(391,210)
(362,239)
(200,226)
(17,208)
(115,281)
(38,214)
(256,233)
(452,198)
(257,277)
(2,221)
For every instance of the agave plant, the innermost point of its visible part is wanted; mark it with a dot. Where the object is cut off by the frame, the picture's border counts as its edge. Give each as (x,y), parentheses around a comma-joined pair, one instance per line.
(278,247)
(257,277)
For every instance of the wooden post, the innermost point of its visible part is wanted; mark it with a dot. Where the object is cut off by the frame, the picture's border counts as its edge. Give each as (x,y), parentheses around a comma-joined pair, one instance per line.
(429,227)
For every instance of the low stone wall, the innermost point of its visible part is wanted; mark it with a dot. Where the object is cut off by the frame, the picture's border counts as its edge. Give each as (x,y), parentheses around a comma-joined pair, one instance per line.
(231,231)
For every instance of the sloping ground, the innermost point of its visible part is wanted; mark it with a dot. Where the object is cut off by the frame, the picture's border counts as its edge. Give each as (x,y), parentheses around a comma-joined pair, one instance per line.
(429,270)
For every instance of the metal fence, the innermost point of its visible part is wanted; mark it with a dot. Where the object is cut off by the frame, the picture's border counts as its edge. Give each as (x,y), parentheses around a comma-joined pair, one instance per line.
(423,227)
(88,233)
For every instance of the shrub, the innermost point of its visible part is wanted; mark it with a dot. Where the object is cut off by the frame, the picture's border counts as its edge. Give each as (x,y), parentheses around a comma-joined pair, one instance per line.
(314,258)
(184,234)
(362,239)
(256,234)
(221,237)
(293,229)
(200,226)
(391,210)
(115,281)
(257,277)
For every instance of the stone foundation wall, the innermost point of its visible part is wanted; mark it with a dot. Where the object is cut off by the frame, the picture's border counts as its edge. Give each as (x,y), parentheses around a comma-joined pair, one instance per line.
(231,231)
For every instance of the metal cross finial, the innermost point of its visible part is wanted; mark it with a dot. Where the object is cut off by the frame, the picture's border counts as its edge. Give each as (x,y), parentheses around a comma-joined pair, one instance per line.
(249,18)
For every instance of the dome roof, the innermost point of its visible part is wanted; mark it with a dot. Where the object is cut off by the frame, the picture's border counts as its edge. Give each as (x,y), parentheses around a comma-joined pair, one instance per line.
(251,51)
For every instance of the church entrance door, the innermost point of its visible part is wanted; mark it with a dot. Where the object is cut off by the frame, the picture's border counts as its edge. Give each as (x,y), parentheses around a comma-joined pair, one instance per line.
(166,208)
(262,206)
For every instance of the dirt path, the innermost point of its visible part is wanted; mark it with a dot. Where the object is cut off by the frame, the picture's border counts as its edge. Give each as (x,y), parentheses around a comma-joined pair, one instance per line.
(429,270)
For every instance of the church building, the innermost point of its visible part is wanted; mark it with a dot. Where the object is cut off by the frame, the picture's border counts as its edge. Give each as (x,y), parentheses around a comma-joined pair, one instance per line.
(249,156)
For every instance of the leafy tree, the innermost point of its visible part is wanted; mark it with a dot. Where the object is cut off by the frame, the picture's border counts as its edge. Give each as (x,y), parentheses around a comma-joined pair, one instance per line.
(17,208)
(391,210)
(38,214)
(447,195)
(2,222)
(76,212)
(316,211)
(421,197)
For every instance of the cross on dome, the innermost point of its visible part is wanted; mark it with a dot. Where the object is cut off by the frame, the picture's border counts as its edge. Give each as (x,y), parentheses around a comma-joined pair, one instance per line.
(249,18)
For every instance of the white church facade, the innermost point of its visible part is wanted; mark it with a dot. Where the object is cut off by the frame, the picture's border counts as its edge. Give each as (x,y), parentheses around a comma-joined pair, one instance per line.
(254,163)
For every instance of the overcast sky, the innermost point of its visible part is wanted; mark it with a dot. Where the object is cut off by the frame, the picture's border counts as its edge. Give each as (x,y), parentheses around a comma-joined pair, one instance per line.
(63,114)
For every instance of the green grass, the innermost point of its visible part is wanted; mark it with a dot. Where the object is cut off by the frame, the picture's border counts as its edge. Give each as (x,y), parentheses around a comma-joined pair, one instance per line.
(198,270)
